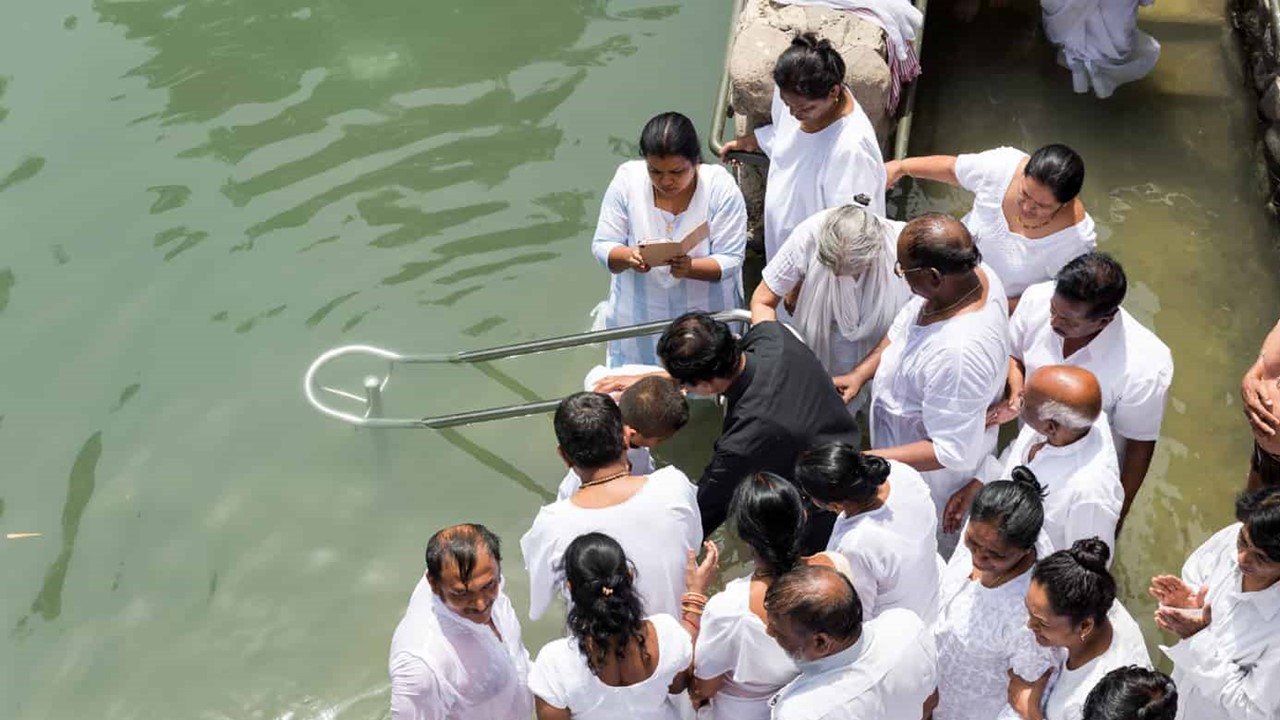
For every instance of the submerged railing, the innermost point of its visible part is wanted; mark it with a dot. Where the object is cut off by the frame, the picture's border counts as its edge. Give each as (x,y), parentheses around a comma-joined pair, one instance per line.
(374,386)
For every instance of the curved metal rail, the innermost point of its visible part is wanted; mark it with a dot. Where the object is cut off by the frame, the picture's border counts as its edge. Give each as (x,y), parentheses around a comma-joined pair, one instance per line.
(374,385)
(723,111)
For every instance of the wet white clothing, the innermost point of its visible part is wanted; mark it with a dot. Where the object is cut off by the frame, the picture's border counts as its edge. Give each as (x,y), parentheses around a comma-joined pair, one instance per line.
(655,527)
(893,550)
(629,217)
(1132,365)
(936,381)
(886,675)
(982,634)
(445,667)
(1019,261)
(809,172)
(841,318)
(561,677)
(732,641)
(1082,480)
(1099,42)
(1068,689)
(1228,670)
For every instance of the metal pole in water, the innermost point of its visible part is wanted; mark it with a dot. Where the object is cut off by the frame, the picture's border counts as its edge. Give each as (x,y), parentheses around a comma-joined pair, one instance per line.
(381,452)
(373,396)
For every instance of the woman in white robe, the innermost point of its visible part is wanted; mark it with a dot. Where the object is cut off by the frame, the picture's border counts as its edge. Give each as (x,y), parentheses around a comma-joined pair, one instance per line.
(835,272)
(1225,612)
(1099,42)
(668,195)
(981,630)
(822,148)
(1027,217)
(1073,608)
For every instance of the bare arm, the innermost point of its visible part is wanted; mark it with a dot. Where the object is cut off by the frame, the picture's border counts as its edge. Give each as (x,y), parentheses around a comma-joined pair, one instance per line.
(1257,404)
(919,455)
(745,143)
(851,382)
(1137,460)
(703,268)
(939,168)
(764,304)
(700,691)
(623,258)
(549,712)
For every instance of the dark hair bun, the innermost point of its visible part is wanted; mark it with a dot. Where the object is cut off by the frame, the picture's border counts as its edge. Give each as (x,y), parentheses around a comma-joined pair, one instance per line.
(876,469)
(810,41)
(1091,553)
(1022,476)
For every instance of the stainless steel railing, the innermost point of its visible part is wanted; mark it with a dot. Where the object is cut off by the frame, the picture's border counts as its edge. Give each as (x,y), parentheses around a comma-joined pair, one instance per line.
(374,386)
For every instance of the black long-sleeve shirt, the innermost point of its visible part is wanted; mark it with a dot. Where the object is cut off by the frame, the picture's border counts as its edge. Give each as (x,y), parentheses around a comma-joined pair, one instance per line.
(782,404)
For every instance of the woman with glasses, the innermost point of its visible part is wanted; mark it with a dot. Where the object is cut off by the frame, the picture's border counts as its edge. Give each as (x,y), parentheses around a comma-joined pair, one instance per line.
(1027,217)
(835,272)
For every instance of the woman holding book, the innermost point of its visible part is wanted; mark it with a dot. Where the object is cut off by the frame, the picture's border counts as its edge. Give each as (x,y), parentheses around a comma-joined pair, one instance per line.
(668,195)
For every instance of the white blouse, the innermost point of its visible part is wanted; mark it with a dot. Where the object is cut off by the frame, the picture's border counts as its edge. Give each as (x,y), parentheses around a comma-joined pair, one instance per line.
(893,550)
(561,677)
(733,641)
(982,634)
(655,527)
(1019,261)
(1231,669)
(809,172)
(1069,689)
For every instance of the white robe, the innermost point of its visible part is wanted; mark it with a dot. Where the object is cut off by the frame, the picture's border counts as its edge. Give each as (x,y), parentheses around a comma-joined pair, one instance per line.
(841,319)
(809,172)
(445,667)
(655,527)
(628,217)
(1099,42)
(935,382)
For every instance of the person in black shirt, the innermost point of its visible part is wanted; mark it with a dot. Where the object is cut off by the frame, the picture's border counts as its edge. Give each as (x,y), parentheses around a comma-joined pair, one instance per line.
(780,402)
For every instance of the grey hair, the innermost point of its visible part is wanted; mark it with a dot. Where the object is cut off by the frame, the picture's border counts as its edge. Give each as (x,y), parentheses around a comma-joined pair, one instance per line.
(1065,415)
(850,240)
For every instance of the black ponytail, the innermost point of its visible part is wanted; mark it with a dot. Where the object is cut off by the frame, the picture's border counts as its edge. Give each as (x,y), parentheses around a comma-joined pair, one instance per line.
(809,68)
(836,472)
(768,515)
(1077,581)
(1015,506)
(606,612)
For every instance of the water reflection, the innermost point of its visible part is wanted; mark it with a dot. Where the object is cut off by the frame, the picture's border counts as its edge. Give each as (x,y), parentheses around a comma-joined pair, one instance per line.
(80,485)
(496,463)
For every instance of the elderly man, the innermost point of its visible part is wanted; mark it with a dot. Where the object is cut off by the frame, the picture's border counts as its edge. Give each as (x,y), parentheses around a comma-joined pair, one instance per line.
(944,360)
(883,669)
(779,402)
(457,653)
(1077,320)
(1066,442)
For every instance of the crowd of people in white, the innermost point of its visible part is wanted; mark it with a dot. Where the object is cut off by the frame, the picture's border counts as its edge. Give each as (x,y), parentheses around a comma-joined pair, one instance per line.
(922,575)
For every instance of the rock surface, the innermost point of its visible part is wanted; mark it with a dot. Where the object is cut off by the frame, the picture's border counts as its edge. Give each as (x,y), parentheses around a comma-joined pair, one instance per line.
(765,29)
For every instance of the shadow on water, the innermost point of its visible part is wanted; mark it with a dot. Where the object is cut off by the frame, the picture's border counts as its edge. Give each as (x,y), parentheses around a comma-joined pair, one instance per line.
(496,463)
(48,603)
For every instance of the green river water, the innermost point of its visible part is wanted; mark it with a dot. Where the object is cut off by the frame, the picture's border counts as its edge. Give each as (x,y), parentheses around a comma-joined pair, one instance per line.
(200,197)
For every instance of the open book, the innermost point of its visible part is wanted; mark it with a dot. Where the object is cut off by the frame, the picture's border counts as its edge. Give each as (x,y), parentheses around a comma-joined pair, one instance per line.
(660,252)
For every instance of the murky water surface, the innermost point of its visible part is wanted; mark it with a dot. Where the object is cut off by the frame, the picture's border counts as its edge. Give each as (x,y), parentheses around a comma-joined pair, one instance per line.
(198,198)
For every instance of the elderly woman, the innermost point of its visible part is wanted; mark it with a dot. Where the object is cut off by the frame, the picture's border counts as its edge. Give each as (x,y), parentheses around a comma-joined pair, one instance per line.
(669,195)
(1072,604)
(983,641)
(822,148)
(1225,610)
(836,273)
(1099,42)
(1027,217)
(617,661)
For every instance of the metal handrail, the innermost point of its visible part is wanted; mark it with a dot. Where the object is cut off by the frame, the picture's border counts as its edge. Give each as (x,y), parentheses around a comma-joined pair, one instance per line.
(374,385)
(722,111)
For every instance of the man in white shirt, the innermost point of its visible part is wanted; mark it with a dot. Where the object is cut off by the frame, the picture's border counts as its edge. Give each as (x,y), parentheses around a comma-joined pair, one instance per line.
(1065,441)
(883,669)
(944,360)
(1077,320)
(457,654)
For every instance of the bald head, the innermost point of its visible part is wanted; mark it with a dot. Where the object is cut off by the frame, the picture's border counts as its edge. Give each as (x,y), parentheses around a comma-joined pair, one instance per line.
(817,599)
(938,241)
(1067,396)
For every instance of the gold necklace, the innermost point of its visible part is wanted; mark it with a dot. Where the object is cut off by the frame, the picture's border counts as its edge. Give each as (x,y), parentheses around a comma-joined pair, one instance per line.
(605,479)
(930,313)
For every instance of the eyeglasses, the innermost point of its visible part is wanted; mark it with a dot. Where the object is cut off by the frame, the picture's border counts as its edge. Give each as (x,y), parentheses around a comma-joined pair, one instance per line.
(903,272)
